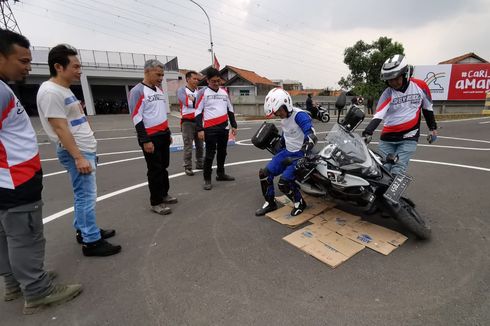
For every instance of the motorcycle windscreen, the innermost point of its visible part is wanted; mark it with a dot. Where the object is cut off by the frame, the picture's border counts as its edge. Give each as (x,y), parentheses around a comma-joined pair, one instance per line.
(350,148)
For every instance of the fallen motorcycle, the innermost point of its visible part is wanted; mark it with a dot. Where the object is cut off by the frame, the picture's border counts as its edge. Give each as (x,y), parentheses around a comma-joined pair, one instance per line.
(347,171)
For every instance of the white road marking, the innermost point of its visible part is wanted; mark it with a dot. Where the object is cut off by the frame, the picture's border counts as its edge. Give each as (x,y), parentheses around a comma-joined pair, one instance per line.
(139,185)
(472,167)
(100,164)
(101,154)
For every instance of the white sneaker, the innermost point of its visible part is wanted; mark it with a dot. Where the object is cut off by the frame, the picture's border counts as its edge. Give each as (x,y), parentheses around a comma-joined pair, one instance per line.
(161,209)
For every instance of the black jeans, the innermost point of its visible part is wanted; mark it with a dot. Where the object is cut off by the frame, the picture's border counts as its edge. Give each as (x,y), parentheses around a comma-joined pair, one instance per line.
(216,141)
(157,163)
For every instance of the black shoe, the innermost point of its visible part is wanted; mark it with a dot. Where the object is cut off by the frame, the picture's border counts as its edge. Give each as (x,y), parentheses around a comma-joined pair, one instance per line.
(100,248)
(104,234)
(189,172)
(268,207)
(298,208)
(170,200)
(224,177)
(207,185)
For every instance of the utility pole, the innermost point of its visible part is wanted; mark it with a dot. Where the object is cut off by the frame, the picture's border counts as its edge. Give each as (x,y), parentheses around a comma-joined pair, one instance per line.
(210,35)
(7,18)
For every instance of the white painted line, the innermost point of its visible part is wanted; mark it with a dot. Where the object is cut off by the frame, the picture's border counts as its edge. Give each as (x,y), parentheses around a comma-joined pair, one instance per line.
(482,123)
(465,139)
(452,164)
(101,154)
(100,164)
(455,147)
(139,185)
(115,138)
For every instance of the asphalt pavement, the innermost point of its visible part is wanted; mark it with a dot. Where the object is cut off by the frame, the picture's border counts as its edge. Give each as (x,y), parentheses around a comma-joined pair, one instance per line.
(213,262)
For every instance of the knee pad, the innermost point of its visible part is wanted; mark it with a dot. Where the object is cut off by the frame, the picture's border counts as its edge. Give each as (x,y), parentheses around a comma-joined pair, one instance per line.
(263,173)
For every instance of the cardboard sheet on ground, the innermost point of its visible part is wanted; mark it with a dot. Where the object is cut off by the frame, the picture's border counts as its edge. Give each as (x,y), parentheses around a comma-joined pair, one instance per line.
(315,205)
(324,244)
(283,216)
(334,219)
(373,236)
(284,200)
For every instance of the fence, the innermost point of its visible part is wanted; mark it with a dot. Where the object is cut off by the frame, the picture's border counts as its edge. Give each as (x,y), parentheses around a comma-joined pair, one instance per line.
(109,59)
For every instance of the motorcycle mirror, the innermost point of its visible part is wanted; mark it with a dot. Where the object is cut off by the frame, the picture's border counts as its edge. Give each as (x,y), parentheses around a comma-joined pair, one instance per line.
(341,100)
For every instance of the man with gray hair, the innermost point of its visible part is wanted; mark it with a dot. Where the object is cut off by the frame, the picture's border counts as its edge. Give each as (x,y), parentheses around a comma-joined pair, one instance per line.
(148,108)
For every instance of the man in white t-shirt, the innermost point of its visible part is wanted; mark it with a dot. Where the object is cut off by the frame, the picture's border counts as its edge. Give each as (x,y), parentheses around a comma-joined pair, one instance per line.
(65,123)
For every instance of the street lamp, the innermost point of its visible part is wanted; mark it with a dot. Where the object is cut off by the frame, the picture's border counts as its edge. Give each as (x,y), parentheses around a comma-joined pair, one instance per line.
(210,34)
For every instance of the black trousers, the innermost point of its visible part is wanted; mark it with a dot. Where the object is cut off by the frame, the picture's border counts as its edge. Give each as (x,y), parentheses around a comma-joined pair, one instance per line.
(216,141)
(157,163)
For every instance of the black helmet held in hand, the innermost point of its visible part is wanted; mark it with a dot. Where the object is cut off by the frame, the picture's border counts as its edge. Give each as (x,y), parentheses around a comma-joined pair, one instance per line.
(353,118)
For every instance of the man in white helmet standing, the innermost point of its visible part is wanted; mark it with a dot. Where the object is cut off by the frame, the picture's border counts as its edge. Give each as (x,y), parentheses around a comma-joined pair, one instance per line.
(400,106)
(298,138)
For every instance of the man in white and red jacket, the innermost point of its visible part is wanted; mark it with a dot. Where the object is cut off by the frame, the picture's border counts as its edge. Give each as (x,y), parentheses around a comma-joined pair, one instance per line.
(214,112)
(148,108)
(187,96)
(401,106)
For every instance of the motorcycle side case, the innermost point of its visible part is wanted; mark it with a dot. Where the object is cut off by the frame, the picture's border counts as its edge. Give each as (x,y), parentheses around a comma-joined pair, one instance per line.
(267,137)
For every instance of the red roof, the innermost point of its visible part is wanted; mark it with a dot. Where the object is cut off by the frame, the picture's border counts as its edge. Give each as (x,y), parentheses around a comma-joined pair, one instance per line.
(250,76)
(463,57)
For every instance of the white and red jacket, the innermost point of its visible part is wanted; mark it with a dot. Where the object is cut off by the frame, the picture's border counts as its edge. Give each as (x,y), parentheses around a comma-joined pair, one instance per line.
(20,165)
(187,100)
(213,109)
(148,108)
(401,111)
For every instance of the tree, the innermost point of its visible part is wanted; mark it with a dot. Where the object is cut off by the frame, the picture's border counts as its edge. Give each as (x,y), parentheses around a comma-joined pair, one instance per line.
(365,62)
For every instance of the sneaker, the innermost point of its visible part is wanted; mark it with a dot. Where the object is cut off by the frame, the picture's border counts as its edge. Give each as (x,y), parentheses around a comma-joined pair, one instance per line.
(100,248)
(266,208)
(104,234)
(189,172)
(16,292)
(60,294)
(170,200)
(298,208)
(224,177)
(161,209)
(207,185)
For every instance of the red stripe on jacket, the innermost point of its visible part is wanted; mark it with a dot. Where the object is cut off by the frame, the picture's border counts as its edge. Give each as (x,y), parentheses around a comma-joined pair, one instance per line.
(137,107)
(215,121)
(3,157)
(161,127)
(385,103)
(9,108)
(403,126)
(24,171)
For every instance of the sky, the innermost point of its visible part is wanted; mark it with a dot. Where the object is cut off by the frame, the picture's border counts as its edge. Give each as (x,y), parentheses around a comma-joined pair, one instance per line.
(278,39)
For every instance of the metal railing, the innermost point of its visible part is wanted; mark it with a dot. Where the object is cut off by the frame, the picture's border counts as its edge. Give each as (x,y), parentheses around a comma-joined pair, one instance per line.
(109,59)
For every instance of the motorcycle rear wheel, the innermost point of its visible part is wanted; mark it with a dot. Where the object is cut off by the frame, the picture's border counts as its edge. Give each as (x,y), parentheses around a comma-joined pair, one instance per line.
(412,220)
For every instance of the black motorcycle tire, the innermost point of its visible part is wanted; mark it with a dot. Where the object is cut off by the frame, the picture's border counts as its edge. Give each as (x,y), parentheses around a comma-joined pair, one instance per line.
(412,220)
(325,117)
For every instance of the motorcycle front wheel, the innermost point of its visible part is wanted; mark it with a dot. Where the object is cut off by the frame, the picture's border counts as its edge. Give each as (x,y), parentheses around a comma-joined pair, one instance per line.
(412,220)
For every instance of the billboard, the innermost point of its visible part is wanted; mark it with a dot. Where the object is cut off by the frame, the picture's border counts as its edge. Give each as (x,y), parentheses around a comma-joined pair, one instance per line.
(456,82)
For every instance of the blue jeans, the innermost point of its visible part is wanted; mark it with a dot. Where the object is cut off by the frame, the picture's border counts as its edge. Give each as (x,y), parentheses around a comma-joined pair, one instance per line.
(404,149)
(85,194)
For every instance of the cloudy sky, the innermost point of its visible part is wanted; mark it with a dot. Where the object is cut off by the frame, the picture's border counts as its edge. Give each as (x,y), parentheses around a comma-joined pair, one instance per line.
(278,39)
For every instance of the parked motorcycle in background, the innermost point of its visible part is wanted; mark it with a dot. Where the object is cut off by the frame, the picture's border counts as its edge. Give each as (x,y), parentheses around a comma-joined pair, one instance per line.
(347,171)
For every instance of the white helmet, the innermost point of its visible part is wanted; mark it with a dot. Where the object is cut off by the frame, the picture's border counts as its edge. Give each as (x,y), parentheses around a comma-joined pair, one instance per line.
(275,99)
(395,66)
